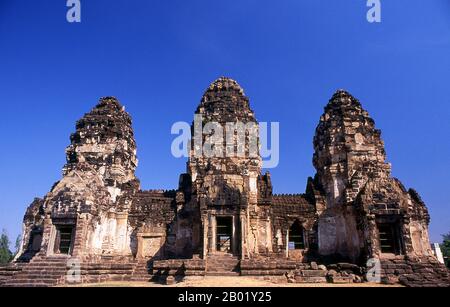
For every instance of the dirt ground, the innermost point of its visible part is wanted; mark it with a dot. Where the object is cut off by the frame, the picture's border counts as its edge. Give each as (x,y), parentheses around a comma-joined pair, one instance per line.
(232,282)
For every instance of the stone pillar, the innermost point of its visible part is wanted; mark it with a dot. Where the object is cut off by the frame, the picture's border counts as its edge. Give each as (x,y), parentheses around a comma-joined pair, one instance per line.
(287,243)
(255,227)
(205,236)
(234,249)
(47,240)
(210,235)
(140,246)
(243,236)
(269,235)
(212,247)
(79,241)
(372,236)
(406,235)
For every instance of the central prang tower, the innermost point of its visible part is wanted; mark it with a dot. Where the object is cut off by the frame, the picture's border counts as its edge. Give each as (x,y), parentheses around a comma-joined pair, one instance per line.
(225,177)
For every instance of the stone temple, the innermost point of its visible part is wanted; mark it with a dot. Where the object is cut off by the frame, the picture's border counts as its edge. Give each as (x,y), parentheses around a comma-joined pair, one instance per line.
(223,219)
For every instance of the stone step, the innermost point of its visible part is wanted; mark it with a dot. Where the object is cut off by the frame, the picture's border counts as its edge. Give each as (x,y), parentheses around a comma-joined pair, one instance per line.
(222,264)
(420,273)
(233,269)
(47,263)
(223,269)
(48,272)
(141,274)
(143,278)
(224,260)
(313,273)
(222,255)
(310,279)
(341,279)
(50,259)
(33,281)
(43,276)
(37,277)
(54,261)
(29,285)
(108,268)
(6,273)
(228,273)
(45,266)
(42,272)
(45,269)
(108,273)
(24,285)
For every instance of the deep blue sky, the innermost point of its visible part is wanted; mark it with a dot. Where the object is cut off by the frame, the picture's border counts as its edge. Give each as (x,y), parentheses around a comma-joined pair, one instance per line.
(158,57)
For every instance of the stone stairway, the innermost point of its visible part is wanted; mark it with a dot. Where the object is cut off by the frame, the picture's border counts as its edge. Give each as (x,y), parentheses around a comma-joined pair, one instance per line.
(9,270)
(40,272)
(141,272)
(310,276)
(222,265)
(425,272)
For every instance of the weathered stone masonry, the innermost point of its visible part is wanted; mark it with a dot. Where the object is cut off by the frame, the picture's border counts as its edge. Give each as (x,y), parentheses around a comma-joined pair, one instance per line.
(224,219)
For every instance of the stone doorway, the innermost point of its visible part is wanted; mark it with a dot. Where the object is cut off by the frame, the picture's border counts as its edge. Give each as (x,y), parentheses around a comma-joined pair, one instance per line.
(64,239)
(296,237)
(389,238)
(224,234)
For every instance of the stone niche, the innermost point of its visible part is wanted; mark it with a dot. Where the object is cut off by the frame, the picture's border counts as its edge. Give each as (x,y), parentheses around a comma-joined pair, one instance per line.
(338,234)
(150,242)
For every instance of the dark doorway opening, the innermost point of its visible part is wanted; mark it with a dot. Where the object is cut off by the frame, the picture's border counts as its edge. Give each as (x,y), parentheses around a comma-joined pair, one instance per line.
(296,238)
(389,238)
(64,239)
(224,233)
(35,242)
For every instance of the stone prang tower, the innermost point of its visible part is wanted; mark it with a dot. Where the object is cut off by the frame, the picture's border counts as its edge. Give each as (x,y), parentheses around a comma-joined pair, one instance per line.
(225,178)
(363,202)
